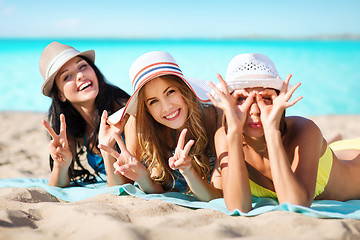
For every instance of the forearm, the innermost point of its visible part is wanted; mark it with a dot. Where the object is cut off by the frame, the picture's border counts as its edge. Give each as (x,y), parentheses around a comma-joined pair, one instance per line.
(59,177)
(148,185)
(235,179)
(288,188)
(199,187)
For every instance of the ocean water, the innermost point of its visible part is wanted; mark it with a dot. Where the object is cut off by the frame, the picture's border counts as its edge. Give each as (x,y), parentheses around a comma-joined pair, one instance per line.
(328,69)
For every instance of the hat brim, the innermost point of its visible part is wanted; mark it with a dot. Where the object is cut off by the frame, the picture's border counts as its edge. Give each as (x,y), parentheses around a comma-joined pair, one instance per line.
(275,83)
(197,86)
(49,82)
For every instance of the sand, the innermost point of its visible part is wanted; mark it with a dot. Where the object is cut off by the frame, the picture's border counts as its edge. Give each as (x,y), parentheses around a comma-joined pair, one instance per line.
(34,214)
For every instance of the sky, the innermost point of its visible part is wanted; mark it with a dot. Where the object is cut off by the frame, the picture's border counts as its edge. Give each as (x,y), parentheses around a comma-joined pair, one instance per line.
(178,19)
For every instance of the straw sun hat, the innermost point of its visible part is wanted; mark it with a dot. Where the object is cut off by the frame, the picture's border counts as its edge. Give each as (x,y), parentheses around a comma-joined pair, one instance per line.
(252,70)
(54,56)
(150,66)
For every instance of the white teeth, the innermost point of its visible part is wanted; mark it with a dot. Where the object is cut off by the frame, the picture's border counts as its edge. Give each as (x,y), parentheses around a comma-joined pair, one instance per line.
(84,85)
(172,115)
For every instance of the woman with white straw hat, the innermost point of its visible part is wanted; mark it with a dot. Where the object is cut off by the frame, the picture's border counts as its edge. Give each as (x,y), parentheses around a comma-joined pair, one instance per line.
(79,95)
(269,155)
(169,137)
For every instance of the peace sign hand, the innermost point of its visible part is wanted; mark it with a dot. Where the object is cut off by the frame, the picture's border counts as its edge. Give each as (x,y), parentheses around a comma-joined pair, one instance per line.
(59,146)
(126,164)
(271,113)
(106,131)
(181,159)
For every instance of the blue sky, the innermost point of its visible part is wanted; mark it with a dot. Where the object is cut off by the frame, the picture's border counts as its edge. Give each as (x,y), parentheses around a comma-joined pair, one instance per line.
(178,19)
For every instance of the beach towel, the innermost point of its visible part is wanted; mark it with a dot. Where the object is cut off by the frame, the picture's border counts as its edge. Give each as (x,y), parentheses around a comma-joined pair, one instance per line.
(318,209)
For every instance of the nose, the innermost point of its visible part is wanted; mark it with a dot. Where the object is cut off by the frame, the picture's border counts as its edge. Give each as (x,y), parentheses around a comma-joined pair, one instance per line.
(254,109)
(79,76)
(165,105)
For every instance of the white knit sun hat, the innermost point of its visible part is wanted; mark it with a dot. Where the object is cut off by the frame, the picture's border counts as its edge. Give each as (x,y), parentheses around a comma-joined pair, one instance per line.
(252,70)
(152,65)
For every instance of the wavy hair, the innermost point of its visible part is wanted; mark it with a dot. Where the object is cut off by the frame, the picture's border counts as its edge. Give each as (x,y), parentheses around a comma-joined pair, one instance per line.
(109,98)
(154,145)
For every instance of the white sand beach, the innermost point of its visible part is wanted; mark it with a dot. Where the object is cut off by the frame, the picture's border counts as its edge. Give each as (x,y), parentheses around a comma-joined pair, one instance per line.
(32,213)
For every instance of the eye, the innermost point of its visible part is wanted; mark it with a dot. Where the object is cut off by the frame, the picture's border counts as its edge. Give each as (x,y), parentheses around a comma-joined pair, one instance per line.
(267,99)
(170,91)
(152,102)
(67,77)
(83,66)
(240,100)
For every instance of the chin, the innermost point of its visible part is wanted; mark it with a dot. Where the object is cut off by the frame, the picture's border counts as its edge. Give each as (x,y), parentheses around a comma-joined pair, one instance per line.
(254,133)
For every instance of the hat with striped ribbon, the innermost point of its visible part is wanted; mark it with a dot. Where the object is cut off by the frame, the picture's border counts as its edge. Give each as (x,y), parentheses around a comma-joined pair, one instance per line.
(152,65)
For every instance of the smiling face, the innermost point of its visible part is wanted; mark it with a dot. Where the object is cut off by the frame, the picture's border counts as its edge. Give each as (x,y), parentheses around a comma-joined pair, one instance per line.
(165,102)
(77,82)
(253,126)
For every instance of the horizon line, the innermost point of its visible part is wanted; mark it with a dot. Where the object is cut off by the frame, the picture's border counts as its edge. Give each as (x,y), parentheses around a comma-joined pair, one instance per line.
(248,37)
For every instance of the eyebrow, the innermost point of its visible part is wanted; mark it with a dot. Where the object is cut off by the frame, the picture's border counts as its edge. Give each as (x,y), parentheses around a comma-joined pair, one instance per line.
(149,99)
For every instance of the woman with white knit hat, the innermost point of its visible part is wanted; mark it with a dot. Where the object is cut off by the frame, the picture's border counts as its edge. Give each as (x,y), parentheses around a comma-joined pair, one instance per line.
(266,154)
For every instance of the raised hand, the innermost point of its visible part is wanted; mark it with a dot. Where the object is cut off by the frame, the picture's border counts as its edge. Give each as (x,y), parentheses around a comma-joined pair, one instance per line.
(59,146)
(234,106)
(126,164)
(106,131)
(181,159)
(271,113)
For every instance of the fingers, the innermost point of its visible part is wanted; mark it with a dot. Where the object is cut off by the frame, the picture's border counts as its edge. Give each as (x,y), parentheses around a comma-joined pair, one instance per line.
(120,125)
(249,100)
(64,143)
(62,125)
(292,90)
(118,168)
(171,162)
(217,91)
(294,101)
(286,83)
(103,118)
(109,150)
(188,146)
(181,140)
(120,142)
(212,99)
(178,163)
(287,79)
(223,84)
(49,129)
(213,87)
(61,153)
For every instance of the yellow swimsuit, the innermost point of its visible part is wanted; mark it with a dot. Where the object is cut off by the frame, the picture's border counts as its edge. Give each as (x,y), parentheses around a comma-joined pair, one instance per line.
(325,164)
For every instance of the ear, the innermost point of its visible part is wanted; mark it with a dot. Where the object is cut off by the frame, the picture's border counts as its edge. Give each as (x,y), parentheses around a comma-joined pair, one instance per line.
(61,97)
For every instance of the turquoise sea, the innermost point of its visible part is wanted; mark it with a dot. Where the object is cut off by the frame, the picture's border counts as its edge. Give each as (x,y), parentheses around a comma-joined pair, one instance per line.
(328,69)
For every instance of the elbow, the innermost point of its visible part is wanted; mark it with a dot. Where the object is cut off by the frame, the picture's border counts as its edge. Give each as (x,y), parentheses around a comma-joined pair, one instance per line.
(304,200)
(210,196)
(243,206)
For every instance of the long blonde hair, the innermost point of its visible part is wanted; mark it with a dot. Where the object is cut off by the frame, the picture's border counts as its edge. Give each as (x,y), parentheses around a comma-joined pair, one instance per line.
(155,149)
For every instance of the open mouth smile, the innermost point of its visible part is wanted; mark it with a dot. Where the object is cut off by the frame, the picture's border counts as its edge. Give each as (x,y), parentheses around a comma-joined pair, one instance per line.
(173,115)
(84,85)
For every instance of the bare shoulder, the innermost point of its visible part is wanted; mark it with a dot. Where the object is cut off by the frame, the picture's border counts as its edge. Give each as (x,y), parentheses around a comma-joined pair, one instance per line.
(302,130)
(301,124)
